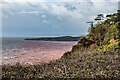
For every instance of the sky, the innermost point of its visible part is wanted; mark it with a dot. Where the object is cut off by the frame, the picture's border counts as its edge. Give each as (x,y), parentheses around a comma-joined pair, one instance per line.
(30,18)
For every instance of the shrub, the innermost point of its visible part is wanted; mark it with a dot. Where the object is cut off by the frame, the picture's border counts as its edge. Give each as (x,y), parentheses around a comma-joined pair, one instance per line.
(111,47)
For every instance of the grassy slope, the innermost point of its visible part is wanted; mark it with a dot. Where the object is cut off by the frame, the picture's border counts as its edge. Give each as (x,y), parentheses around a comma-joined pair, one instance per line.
(77,65)
(95,56)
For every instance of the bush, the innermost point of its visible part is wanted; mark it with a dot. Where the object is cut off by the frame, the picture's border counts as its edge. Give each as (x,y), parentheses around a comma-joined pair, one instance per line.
(111,47)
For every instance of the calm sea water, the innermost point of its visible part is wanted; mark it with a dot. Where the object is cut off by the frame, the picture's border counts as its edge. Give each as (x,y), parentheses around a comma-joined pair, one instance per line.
(18,44)
(12,42)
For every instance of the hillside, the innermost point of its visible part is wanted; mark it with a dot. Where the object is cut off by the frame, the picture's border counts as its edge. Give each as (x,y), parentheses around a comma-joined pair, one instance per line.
(104,36)
(94,56)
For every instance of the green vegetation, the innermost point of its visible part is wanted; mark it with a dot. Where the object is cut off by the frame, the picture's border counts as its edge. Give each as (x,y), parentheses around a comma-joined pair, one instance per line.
(113,33)
(106,34)
(94,56)
(111,47)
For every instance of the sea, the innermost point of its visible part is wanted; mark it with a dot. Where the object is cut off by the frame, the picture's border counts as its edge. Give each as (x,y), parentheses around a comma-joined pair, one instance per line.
(18,44)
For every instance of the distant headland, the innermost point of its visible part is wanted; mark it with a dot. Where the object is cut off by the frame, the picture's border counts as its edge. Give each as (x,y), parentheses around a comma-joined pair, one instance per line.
(62,38)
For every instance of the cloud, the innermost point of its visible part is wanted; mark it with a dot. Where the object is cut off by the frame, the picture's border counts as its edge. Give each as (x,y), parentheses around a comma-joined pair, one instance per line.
(62,17)
(28,12)
(61,0)
(45,21)
(58,10)
(72,10)
(44,16)
(24,0)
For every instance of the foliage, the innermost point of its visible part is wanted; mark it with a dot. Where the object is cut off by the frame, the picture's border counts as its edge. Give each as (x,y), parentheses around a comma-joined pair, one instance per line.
(111,47)
(106,34)
(82,43)
(112,33)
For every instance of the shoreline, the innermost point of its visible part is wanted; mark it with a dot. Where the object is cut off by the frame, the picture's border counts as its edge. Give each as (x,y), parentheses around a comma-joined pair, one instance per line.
(42,54)
(32,57)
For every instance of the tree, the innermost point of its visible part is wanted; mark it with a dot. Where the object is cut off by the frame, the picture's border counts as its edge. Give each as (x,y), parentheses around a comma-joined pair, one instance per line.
(91,23)
(109,16)
(99,18)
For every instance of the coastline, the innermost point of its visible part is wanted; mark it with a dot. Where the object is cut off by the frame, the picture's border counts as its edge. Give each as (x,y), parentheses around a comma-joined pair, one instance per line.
(62,38)
(50,51)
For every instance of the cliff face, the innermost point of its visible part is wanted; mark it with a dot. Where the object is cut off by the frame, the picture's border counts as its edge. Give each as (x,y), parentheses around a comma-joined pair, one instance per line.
(104,36)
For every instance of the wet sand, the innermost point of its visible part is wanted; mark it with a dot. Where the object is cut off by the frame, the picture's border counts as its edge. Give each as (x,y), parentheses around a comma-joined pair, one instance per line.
(37,53)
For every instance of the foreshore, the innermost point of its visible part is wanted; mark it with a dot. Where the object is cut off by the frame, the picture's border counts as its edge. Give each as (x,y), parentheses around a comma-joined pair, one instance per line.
(44,53)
